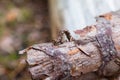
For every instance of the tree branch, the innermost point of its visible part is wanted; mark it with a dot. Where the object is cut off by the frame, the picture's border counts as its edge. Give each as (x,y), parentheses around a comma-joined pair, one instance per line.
(65,61)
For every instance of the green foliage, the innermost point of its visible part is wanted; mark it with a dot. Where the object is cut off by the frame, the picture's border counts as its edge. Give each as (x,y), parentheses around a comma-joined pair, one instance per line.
(26,15)
(8,58)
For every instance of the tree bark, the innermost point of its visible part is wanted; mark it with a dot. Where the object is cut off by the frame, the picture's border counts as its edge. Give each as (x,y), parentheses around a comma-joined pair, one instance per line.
(74,58)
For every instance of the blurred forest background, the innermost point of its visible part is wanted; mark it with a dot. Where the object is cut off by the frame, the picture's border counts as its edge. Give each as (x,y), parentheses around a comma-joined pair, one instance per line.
(22,23)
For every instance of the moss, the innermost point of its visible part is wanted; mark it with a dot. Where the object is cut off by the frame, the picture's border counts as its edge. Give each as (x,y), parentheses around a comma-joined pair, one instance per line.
(12,23)
(1,14)
(8,58)
(2,29)
(26,15)
(10,5)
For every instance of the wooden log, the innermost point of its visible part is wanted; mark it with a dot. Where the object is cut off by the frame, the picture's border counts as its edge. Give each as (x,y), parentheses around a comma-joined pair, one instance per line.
(74,58)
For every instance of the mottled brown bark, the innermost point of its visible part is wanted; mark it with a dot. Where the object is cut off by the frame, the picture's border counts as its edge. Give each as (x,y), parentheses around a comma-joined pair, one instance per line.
(75,58)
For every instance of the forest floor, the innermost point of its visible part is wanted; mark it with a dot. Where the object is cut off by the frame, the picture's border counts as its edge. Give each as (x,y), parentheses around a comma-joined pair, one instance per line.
(22,23)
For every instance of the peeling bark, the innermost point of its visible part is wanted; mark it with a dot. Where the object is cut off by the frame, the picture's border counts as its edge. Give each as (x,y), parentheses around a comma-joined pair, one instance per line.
(68,61)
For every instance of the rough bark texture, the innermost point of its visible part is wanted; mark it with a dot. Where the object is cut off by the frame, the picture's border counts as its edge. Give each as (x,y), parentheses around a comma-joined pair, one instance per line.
(78,59)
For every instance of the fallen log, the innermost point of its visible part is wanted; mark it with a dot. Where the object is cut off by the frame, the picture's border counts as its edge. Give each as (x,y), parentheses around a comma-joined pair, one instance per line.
(71,59)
